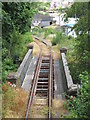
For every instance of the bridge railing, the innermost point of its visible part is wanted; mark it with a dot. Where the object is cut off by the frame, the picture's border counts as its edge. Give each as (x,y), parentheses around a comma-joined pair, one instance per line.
(69,86)
(23,67)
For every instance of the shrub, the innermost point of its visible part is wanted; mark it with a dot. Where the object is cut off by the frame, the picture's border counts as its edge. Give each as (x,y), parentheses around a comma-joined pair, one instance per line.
(14,52)
(48,31)
(59,37)
(69,37)
(27,37)
(79,105)
(13,100)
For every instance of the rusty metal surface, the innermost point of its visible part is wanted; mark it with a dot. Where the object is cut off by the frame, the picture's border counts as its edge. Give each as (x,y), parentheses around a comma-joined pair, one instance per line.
(42,83)
(32,92)
(50,88)
(43,41)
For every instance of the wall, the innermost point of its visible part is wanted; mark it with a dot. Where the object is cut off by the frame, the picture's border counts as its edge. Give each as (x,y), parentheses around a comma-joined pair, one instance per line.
(45,23)
(23,67)
(69,86)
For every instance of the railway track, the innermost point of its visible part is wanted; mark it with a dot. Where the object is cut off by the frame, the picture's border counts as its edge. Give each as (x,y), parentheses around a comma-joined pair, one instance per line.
(42,84)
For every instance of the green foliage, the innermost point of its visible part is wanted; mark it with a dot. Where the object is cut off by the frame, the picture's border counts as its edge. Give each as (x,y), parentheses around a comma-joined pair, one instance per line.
(58,38)
(49,31)
(14,52)
(16,22)
(70,37)
(27,37)
(37,31)
(18,16)
(77,9)
(79,63)
(8,98)
(7,66)
(81,52)
(79,105)
(45,31)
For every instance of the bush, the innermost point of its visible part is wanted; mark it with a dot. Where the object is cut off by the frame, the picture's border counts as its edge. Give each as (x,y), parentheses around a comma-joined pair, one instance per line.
(59,37)
(69,37)
(48,31)
(13,54)
(54,41)
(7,66)
(13,100)
(27,37)
(78,106)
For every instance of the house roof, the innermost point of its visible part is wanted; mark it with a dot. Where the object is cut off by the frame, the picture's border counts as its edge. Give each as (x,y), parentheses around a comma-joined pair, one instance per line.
(68,25)
(41,17)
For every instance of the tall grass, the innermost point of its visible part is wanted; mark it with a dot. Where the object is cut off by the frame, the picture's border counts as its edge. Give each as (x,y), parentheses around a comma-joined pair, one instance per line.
(48,31)
(58,38)
(14,102)
(45,31)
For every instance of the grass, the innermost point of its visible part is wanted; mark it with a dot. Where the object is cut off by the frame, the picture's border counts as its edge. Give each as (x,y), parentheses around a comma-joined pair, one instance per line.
(59,108)
(43,32)
(14,102)
(65,41)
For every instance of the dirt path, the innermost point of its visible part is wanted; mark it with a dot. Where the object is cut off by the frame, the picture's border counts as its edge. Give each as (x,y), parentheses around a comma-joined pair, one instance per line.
(36,50)
(45,49)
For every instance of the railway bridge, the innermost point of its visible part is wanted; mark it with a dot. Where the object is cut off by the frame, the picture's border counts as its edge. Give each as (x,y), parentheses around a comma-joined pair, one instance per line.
(45,79)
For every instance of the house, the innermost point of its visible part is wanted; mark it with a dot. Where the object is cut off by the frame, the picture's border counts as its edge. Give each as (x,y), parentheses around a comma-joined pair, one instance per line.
(55,4)
(68,30)
(61,3)
(67,3)
(67,27)
(41,20)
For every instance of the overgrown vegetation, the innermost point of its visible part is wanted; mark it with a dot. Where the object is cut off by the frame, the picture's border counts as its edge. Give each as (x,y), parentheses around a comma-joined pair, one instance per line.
(79,106)
(81,64)
(16,35)
(43,31)
(60,37)
(79,61)
(16,23)
(13,104)
(17,17)
(78,57)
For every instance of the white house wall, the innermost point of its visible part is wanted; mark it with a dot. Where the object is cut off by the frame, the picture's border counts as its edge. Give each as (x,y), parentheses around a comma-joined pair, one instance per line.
(68,32)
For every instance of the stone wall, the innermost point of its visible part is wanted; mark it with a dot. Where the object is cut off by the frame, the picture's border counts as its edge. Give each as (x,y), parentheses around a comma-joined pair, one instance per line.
(23,67)
(68,84)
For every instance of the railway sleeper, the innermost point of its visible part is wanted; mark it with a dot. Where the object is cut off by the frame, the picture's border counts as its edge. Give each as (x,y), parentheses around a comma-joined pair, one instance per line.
(42,86)
(44,94)
(45,61)
(44,70)
(42,91)
(46,56)
(43,80)
(43,75)
(41,83)
(44,67)
(45,64)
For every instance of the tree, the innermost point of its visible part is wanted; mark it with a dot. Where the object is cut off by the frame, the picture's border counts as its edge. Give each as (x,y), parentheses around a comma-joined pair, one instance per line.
(17,17)
(79,105)
(80,10)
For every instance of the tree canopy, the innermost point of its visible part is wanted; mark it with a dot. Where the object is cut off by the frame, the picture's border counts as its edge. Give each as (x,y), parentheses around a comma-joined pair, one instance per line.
(81,11)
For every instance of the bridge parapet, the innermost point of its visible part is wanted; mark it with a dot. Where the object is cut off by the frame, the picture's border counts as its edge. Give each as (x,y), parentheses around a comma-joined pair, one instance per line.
(21,72)
(69,86)
(18,77)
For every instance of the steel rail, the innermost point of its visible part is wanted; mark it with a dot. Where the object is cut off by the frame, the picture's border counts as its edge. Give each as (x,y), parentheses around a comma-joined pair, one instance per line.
(32,92)
(50,89)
